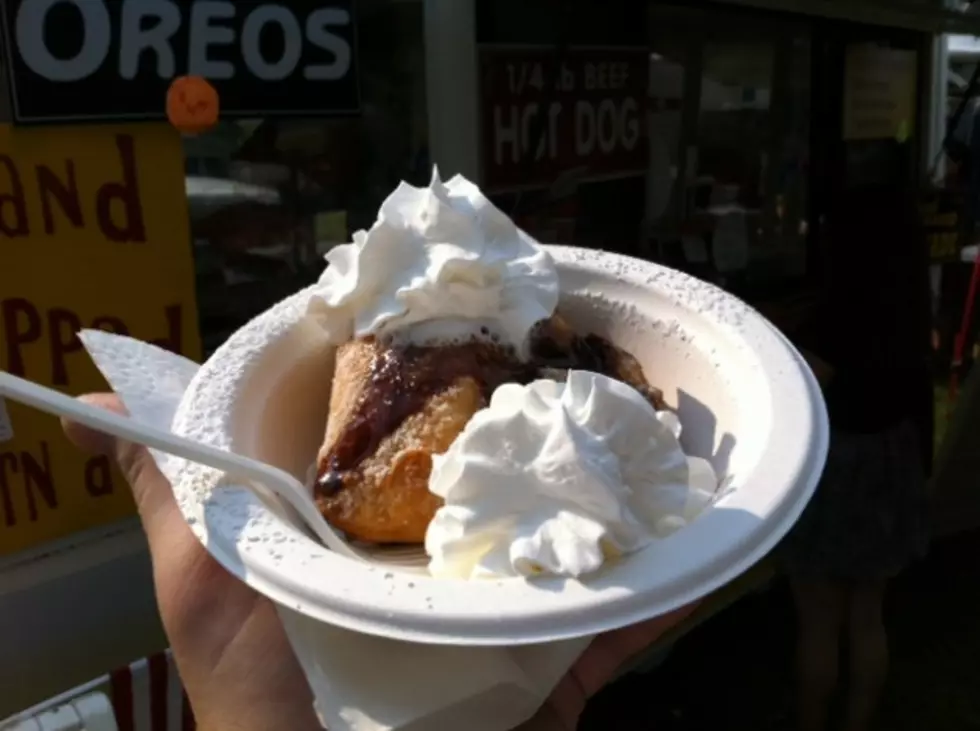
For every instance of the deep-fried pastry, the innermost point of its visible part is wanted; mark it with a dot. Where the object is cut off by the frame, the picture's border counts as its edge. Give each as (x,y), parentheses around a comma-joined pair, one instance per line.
(394,406)
(554,344)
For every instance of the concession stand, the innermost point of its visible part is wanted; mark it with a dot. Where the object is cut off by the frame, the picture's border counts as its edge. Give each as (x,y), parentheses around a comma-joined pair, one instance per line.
(706,136)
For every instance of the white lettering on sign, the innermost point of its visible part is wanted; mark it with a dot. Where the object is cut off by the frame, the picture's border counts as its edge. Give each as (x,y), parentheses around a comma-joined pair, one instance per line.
(606,76)
(523,76)
(513,128)
(606,126)
(256,22)
(150,25)
(545,116)
(210,34)
(6,429)
(598,127)
(318,32)
(601,76)
(137,37)
(97,37)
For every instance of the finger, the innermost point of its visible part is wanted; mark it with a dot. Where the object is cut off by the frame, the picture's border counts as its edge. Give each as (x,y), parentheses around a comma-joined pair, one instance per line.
(607,654)
(151,490)
(563,709)
(566,704)
(87,439)
(547,719)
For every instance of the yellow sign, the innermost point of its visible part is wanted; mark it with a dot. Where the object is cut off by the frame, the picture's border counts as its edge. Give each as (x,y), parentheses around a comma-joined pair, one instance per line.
(94,233)
(879,93)
(940,214)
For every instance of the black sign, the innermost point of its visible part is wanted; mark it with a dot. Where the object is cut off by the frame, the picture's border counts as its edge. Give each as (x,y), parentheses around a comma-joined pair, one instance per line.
(114,59)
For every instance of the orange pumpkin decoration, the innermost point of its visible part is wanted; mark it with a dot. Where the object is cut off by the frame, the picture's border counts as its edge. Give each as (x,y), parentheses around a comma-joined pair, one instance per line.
(192,104)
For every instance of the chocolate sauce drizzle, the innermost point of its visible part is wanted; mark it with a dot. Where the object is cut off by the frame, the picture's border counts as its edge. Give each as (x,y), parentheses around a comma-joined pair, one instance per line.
(404,378)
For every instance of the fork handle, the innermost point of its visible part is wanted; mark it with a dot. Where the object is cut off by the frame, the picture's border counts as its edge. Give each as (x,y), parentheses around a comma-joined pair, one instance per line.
(56,403)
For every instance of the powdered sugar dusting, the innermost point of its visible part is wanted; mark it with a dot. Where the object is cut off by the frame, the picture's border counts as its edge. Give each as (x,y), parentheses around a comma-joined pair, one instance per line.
(701,297)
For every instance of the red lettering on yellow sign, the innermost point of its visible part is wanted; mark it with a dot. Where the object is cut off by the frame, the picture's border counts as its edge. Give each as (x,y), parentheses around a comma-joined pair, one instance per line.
(93,234)
(63,191)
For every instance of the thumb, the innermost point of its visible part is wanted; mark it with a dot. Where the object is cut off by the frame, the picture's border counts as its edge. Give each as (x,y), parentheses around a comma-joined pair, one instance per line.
(151,491)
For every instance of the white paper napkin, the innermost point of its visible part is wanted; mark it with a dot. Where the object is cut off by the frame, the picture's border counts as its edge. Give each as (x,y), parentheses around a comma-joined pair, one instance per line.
(360,682)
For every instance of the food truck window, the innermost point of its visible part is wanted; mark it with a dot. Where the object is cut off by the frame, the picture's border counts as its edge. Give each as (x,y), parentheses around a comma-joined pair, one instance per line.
(563,96)
(732,96)
(667,131)
(269,197)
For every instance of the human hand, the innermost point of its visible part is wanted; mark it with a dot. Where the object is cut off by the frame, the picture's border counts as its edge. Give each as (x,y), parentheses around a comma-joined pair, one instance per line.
(597,667)
(230,648)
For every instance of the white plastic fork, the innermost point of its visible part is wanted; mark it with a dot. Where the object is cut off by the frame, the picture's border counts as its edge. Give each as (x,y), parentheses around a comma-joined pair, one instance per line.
(250,471)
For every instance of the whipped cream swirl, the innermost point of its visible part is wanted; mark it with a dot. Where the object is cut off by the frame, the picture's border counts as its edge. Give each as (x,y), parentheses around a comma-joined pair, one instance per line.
(558,477)
(443,261)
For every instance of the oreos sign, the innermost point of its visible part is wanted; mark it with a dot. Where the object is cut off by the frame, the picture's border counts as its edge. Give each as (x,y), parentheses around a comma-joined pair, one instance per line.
(114,59)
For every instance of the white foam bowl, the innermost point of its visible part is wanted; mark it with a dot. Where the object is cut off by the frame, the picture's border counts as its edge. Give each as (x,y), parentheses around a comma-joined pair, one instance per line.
(747,402)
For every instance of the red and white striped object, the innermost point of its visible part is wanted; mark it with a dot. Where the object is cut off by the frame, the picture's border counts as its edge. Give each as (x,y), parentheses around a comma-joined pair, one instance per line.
(147,695)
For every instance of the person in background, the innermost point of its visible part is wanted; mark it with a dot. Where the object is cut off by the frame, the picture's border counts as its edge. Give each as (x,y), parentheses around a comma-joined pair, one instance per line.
(868,344)
(231,651)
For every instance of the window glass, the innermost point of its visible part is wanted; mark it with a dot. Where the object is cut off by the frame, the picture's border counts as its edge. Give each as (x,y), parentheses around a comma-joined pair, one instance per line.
(736,111)
(716,184)
(269,197)
(578,176)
